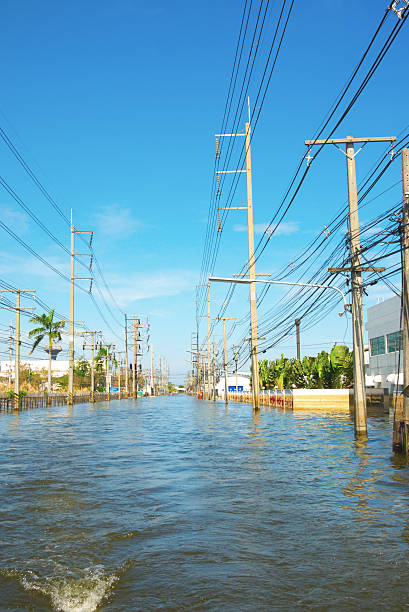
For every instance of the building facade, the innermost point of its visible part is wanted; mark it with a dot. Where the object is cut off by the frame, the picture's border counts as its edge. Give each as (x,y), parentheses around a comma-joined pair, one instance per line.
(235,382)
(385,341)
(58,368)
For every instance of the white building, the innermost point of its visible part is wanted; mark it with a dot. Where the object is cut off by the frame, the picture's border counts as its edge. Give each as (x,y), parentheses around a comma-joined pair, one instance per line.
(235,382)
(385,341)
(58,368)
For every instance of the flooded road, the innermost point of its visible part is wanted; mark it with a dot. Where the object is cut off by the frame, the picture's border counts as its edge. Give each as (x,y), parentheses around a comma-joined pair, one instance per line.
(174,504)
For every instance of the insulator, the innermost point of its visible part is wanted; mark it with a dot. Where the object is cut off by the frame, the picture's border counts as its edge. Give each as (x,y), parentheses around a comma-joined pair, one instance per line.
(217,148)
(218,192)
(219,225)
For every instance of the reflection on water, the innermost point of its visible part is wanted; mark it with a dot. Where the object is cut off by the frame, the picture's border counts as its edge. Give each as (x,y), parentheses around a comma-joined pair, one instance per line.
(177,504)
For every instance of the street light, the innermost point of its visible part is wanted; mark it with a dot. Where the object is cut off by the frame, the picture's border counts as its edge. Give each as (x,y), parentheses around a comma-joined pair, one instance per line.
(214,279)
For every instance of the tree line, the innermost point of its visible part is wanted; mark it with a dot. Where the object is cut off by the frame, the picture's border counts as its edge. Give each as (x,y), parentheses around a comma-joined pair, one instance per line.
(332,370)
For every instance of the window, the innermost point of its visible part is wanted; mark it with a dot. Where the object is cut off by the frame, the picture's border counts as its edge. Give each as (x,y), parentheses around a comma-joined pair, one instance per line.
(378,345)
(395,341)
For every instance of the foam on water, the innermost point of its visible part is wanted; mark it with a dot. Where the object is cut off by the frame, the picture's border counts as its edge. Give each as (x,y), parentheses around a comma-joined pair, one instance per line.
(72,594)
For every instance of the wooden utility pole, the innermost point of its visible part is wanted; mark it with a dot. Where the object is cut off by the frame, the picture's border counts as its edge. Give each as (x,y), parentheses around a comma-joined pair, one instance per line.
(297,329)
(18,308)
(356,278)
(126,360)
(401,415)
(73,278)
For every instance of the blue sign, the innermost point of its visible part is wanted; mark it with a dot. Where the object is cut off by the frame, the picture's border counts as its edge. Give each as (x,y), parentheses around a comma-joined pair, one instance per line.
(113,389)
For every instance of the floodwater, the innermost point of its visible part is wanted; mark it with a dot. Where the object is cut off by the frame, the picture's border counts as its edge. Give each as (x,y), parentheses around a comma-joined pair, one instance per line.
(170,503)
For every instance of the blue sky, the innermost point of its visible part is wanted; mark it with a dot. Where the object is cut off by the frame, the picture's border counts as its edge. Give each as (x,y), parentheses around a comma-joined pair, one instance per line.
(115,106)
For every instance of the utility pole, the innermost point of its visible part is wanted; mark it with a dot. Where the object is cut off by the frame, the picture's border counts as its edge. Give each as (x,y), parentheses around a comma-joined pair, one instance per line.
(108,371)
(224,319)
(236,361)
(252,276)
(152,375)
(356,277)
(126,359)
(134,360)
(73,278)
(213,372)
(251,261)
(11,352)
(297,329)
(17,342)
(91,346)
(401,416)
(208,341)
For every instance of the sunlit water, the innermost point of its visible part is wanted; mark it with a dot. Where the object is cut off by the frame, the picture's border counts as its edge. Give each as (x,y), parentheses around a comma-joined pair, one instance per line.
(176,504)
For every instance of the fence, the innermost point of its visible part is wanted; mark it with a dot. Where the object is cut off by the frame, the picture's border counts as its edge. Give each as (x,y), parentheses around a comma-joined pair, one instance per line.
(29,402)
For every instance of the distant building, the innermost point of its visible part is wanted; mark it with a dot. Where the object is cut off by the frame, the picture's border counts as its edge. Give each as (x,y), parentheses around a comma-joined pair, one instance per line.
(385,340)
(58,368)
(235,382)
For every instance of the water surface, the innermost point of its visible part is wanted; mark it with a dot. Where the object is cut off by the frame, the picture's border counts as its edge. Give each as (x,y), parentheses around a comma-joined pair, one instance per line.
(170,503)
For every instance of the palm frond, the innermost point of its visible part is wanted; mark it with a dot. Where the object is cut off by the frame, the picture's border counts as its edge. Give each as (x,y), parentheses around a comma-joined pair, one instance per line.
(36,342)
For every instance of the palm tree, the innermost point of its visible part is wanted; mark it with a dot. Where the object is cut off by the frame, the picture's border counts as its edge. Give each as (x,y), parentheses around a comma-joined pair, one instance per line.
(48,328)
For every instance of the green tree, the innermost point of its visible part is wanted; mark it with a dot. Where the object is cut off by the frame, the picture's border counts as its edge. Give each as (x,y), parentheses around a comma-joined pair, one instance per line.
(341,364)
(101,360)
(82,371)
(46,328)
(323,369)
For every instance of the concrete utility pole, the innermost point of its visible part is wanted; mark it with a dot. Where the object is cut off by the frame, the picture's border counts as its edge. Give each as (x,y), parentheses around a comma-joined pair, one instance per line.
(252,276)
(356,277)
(73,278)
(17,342)
(152,377)
(251,260)
(126,359)
(213,371)
(401,416)
(134,356)
(236,348)
(297,329)
(11,352)
(224,319)
(108,370)
(208,341)
(91,346)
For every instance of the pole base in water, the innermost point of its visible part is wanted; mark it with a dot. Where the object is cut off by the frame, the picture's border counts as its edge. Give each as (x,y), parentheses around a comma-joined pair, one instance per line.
(400,442)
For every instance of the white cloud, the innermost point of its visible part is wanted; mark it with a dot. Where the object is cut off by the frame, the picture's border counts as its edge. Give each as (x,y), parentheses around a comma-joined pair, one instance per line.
(15,219)
(286,228)
(157,284)
(116,221)
(11,263)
